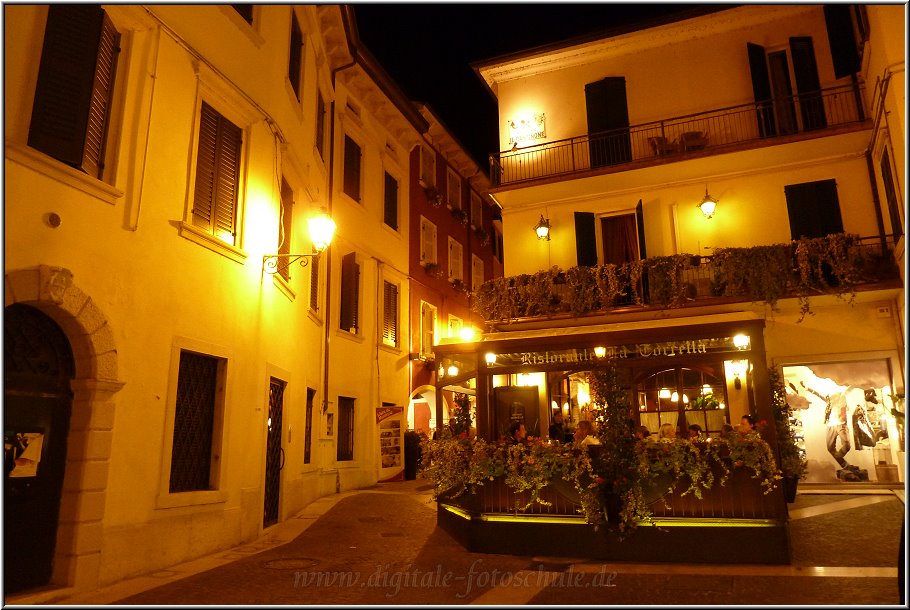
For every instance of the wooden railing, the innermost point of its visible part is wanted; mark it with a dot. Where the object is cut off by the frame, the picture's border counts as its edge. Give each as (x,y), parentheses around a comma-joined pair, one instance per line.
(682,136)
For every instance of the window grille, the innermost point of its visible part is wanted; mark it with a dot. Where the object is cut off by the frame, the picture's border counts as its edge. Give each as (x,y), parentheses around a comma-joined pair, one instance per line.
(194,418)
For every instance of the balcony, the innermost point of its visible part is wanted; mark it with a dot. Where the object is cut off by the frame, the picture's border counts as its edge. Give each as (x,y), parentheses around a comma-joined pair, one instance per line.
(715,131)
(839,264)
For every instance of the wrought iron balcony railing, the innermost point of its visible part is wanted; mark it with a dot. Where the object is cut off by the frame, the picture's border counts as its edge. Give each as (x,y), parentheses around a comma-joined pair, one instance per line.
(838,264)
(681,137)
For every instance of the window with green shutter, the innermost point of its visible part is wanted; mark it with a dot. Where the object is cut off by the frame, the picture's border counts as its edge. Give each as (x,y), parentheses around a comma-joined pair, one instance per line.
(72,105)
(217,175)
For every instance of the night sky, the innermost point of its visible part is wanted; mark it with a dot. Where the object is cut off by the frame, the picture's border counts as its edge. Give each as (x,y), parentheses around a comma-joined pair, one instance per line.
(428,49)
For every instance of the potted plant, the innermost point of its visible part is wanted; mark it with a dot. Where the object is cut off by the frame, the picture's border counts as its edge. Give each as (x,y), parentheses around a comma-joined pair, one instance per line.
(793,463)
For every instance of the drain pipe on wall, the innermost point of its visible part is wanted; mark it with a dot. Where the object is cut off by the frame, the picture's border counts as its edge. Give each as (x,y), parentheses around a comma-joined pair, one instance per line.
(327,321)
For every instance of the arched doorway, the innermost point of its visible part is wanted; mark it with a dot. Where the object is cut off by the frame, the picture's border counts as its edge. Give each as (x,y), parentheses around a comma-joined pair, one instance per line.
(37,369)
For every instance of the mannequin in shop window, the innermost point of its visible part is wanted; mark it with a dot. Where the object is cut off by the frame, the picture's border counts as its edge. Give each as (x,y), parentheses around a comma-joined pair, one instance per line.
(837,433)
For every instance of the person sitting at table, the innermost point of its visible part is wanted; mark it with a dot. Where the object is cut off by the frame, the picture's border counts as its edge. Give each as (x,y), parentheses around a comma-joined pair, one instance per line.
(517,433)
(584,434)
(557,428)
(666,433)
(642,433)
(746,424)
(695,434)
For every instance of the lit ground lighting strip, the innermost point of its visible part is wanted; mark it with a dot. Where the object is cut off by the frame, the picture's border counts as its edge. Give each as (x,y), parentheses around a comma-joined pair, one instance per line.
(454,509)
(533,519)
(570,520)
(728,522)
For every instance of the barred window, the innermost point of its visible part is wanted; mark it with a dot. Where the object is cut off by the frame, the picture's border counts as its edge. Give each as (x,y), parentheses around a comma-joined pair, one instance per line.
(194,422)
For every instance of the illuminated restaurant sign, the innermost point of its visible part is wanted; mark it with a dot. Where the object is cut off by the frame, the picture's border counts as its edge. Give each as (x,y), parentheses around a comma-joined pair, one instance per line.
(637,350)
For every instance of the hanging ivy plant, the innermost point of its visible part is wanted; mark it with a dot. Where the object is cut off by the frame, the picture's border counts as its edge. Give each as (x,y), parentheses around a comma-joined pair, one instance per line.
(807,267)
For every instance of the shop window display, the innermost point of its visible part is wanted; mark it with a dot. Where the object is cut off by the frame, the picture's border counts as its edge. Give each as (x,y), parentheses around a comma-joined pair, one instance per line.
(845,416)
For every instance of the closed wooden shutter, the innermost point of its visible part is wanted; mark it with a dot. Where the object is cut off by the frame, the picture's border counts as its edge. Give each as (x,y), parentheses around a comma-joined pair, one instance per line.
(761,90)
(320,125)
(314,283)
(390,210)
(285,226)
(217,174)
(75,84)
(427,328)
(345,448)
(351,168)
(808,87)
(841,39)
(476,273)
(456,261)
(427,242)
(294,59)
(813,209)
(390,313)
(891,196)
(350,284)
(608,119)
(585,239)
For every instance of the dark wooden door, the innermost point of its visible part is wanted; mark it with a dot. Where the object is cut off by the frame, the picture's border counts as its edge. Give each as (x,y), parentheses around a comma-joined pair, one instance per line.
(37,368)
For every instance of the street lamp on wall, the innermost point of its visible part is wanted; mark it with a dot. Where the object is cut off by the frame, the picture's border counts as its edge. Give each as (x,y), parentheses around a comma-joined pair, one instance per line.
(542,228)
(707,205)
(321,229)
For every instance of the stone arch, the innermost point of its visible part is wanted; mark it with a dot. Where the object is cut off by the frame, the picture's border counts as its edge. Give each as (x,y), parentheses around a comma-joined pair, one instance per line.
(77,559)
(422,391)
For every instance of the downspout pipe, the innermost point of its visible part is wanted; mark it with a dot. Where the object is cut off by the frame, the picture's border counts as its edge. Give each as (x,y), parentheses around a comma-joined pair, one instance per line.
(327,318)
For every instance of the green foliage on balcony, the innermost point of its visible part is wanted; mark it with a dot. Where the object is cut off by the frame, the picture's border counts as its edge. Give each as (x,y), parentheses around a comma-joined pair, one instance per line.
(834,265)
